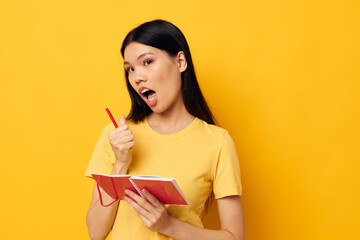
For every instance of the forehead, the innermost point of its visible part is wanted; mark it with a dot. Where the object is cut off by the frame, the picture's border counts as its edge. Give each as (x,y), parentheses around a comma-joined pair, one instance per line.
(134,50)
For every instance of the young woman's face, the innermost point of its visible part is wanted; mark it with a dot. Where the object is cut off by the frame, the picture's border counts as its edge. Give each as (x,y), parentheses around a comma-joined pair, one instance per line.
(154,75)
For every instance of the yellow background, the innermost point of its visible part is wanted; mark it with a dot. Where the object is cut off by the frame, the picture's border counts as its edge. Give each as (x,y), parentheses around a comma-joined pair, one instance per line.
(281,76)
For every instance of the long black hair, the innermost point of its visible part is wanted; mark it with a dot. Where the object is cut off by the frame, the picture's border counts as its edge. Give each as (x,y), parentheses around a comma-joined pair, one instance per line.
(166,36)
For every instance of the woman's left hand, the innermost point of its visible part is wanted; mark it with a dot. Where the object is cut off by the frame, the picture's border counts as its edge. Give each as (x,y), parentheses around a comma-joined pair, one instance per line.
(152,212)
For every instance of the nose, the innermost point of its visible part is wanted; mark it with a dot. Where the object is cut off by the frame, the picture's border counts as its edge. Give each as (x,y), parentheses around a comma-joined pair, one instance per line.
(139,76)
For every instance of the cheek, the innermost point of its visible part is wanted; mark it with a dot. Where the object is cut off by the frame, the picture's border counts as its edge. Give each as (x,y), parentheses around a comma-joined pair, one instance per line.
(158,74)
(172,89)
(175,77)
(169,76)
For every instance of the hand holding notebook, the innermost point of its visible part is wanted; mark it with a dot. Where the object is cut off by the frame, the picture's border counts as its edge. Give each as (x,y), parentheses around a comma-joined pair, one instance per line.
(165,190)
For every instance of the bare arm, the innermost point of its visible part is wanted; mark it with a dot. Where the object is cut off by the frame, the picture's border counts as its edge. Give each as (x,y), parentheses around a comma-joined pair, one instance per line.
(100,219)
(231,218)
(155,217)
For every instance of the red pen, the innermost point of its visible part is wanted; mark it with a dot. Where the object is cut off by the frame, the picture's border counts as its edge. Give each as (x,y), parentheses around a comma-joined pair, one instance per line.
(111,117)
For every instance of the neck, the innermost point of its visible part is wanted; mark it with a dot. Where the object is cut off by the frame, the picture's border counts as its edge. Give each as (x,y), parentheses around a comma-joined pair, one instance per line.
(171,121)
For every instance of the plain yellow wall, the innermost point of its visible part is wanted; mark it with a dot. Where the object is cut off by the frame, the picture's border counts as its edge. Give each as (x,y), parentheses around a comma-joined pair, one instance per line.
(281,76)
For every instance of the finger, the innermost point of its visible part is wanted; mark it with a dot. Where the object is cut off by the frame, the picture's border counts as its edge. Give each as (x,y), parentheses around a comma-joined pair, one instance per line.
(152,199)
(138,209)
(121,128)
(118,130)
(122,141)
(122,120)
(123,147)
(141,201)
(122,137)
(125,133)
(129,145)
(148,217)
(146,221)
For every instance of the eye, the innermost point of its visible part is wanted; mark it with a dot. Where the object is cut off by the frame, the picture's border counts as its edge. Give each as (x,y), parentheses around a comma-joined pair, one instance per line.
(129,70)
(147,62)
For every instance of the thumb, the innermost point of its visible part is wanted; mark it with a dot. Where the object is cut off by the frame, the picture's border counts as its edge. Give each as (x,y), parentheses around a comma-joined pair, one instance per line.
(122,120)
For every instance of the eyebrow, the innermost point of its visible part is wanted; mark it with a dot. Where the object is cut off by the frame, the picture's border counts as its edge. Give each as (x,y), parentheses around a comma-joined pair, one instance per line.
(141,55)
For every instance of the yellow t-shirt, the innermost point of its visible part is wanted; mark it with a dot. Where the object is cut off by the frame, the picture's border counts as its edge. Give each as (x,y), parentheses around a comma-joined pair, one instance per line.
(202,158)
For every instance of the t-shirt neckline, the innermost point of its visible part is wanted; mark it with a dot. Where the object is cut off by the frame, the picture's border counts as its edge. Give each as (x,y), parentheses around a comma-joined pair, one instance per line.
(174,135)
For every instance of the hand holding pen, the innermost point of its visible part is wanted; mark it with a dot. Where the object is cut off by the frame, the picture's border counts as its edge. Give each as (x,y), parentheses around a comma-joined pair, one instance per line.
(122,141)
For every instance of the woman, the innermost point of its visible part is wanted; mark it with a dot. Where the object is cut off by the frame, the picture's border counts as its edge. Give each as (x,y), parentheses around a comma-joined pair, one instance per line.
(175,138)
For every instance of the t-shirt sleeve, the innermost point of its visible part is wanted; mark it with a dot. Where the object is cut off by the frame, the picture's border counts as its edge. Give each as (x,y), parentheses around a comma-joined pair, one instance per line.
(102,159)
(227,180)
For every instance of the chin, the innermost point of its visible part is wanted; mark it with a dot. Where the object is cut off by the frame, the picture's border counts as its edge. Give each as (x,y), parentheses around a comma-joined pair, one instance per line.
(158,109)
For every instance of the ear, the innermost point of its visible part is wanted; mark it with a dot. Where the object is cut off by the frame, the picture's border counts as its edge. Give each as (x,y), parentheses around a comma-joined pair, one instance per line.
(181,61)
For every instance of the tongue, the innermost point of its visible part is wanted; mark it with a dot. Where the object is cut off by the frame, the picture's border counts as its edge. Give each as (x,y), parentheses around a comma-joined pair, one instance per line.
(151,96)
(151,99)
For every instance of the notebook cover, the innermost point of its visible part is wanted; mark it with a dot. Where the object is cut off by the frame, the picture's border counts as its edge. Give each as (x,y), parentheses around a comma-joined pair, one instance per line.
(121,183)
(164,190)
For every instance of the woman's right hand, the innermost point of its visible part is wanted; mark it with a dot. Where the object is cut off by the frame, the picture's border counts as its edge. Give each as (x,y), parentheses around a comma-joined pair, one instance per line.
(122,141)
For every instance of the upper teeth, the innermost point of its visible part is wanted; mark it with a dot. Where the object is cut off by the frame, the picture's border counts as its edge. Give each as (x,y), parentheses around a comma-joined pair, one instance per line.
(145,90)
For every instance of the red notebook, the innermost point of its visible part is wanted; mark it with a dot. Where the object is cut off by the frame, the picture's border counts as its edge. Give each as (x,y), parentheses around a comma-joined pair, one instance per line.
(165,190)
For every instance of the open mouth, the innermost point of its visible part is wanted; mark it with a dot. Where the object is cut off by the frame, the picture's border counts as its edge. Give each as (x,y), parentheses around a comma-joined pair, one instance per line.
(148,94)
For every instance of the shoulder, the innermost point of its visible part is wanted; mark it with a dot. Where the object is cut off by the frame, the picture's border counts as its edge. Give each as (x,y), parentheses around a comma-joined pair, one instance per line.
(107,129)
(215,134)
(214,130)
